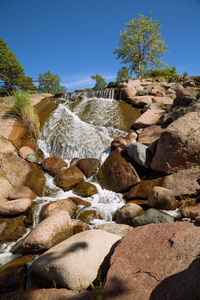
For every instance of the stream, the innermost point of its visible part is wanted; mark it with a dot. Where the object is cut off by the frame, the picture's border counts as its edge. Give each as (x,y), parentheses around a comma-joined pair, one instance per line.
(84,129)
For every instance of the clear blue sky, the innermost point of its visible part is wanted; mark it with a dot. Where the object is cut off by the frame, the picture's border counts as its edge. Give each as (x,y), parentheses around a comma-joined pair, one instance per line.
(74,38)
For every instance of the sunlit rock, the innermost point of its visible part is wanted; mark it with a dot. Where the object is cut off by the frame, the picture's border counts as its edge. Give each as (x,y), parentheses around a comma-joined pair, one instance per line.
(74,263)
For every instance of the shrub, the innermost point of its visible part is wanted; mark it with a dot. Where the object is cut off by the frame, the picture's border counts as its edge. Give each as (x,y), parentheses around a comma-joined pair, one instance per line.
(111,84)
(170,74)
(24,110)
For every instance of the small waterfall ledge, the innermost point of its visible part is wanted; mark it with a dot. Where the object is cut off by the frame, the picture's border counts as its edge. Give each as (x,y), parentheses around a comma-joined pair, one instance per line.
(82,95)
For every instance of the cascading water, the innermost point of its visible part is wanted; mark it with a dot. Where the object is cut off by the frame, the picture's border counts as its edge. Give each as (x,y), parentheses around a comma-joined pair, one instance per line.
(83,129)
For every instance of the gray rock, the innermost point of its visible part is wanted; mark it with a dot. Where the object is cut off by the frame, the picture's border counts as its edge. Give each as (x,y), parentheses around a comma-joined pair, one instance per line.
(140,154)
(119,229)
(32,158)
(153,216)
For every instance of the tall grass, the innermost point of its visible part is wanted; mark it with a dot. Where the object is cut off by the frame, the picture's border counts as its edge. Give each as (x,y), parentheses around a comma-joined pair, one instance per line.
(24,110)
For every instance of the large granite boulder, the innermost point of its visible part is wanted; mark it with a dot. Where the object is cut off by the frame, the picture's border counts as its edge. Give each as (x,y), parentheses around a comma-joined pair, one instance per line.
(52,165)
(49,294)
(127,213)
(75,262)
(16,169)
(121,142)
(140,154)
(13,274)
(153,215)
(150,134)
(119,229)
(21,192)
(47,234)
(162,198)
(117,172)
(179,145)
(11,229)
(183,184)
(156,262)
(85,189)
(5,187)
(88,166)
(64,204)
(15,207)
(68,178)
(150,117)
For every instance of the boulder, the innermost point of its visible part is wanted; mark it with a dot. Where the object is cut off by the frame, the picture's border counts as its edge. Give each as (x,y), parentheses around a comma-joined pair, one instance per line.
(47,234)
(6,146)
(80,201)
(53,165)
(150,117)
(155,262)
(139,101)
(68,178)
(13,274)
(5,187)
(162,198)
(163,101)
(121,142)
(88,166)
(24,151)
(140,154)
(85,189)
(15,207)
(51,208)
(21,192)
(36,181)
(11,229)
(184,101)
(150,134)
(153,215)
(2,200)
(16,169)
(79,226)
(49,294)
(119,229)
(127,92)
(88,215)
(33,158)
(183,184)
(75,262)
(127,213)
(117,172)
(179,145)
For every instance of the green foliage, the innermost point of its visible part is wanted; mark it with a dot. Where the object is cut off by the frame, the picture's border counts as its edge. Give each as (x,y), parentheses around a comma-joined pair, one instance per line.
(49,82)
(83,90)
(122,74)
(98,290)
(111,84)
(170,73)
(24,110)
(11,71)
(140,45)
(100,82)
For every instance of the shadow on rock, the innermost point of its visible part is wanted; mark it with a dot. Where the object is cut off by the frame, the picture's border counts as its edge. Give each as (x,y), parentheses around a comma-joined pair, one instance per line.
(181,286)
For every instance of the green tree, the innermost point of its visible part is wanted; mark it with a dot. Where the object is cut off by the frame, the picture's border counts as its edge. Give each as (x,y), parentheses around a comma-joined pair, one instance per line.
(11,71)
(49,82)
(140,45)
(100,82)
(122,74)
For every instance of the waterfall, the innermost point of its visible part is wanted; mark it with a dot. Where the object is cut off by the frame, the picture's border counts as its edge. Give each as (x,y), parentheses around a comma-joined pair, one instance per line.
(83,129)
(104,94)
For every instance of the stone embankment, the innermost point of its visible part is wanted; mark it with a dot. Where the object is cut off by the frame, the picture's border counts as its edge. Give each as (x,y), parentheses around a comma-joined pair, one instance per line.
(155,239)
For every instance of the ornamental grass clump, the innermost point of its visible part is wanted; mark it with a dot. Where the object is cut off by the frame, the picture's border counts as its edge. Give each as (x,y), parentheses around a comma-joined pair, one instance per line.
(24,110)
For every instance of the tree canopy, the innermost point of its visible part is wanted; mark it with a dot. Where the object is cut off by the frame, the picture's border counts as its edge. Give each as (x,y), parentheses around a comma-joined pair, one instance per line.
(11,71)
(100,82)
(49,82)
(141,46)
(122,74)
